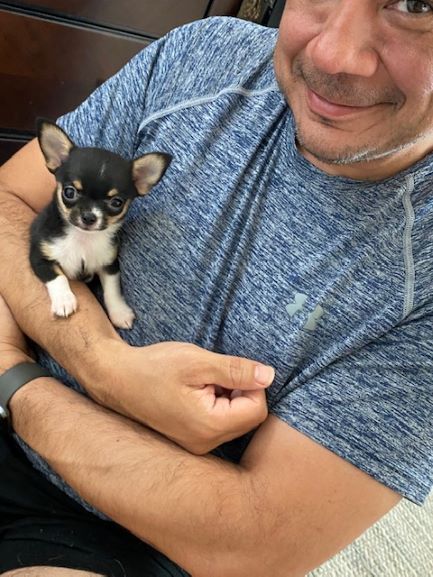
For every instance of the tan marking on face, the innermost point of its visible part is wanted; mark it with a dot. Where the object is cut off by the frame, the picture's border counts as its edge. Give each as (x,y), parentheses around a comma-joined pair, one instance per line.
(65,212)
(113,219)
(112,192)
(78,184)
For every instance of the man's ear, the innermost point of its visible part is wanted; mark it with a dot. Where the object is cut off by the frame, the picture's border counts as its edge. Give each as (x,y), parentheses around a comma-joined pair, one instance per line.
(149,169)
(55,144)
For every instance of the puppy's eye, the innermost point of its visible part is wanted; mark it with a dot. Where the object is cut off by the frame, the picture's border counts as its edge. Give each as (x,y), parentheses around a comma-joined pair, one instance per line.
(116,202)
(70,192)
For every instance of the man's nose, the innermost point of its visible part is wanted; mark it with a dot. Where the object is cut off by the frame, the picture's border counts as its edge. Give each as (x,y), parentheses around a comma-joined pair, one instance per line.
(346,43)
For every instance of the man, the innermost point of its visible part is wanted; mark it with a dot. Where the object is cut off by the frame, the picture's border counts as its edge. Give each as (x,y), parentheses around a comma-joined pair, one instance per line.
(306,250)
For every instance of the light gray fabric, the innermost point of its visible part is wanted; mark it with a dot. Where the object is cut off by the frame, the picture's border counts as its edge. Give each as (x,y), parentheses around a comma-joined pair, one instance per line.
(400,545)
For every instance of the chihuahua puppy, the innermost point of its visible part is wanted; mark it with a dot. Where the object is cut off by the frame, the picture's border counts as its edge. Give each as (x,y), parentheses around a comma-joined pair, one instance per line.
(75,236)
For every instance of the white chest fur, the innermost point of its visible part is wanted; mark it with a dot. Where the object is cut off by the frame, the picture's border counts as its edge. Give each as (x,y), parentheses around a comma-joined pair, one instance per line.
(81,252)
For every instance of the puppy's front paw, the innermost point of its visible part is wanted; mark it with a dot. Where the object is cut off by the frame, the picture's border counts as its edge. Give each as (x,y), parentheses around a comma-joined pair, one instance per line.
(121,315)
(64,305)
(63,301)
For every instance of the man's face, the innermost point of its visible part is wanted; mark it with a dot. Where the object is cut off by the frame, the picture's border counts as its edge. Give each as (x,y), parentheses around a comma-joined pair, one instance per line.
(358,75)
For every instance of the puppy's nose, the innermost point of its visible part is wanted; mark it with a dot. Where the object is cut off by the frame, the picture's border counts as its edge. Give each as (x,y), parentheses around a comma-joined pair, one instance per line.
(88,217)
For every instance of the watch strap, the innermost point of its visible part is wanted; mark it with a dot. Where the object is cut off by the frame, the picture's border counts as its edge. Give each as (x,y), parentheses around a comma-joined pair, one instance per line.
(14,379)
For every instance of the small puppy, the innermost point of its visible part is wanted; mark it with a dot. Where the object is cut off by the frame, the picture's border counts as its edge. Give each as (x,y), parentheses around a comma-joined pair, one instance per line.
(75,236)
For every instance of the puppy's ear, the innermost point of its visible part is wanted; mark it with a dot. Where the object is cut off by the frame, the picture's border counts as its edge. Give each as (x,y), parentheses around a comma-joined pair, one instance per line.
(148,170)
(55,144)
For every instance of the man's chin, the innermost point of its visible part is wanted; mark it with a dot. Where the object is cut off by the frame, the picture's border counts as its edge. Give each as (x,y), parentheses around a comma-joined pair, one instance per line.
(369,163)
(334,156)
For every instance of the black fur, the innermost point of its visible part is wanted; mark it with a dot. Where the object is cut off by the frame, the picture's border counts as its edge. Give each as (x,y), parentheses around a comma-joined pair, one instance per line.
(112,268)
(94,190)
(48,225)
(99,171)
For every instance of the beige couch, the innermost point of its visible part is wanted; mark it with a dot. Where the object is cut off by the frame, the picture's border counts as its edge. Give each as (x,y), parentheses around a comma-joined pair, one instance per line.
(400,545)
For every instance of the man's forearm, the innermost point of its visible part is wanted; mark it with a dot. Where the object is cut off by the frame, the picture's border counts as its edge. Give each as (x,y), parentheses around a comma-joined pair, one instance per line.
(167,386)
(71,341)
(197,510)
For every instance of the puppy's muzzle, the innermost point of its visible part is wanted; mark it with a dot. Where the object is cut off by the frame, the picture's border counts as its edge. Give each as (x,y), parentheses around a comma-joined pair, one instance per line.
(88,220)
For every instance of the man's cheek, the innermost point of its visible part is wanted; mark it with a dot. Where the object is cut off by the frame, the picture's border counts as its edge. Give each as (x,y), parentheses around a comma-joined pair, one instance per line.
(298,27)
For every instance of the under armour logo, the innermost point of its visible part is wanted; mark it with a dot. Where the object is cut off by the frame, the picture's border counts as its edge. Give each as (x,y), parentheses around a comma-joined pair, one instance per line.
(298,306)
(314,318)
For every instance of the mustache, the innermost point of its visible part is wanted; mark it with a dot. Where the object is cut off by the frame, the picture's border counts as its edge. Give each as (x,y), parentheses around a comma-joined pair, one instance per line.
(345,89)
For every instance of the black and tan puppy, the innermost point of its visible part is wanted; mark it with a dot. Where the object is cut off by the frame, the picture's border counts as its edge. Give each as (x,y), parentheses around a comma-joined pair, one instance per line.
(75,236)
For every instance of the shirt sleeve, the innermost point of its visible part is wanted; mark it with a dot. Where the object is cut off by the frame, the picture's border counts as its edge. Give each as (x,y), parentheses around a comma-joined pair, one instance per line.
(374,408)
(110,116)
(156,78)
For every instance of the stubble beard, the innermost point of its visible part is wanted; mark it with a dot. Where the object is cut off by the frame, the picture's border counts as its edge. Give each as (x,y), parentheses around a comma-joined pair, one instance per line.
(369,152)
(343,88)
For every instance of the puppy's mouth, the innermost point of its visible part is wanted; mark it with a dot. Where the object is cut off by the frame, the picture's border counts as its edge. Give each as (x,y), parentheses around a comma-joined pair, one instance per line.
(90,227)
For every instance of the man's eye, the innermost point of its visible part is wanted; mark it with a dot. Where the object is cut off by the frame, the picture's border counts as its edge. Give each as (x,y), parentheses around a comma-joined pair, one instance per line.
(414,7)
(116,202)
(70,192)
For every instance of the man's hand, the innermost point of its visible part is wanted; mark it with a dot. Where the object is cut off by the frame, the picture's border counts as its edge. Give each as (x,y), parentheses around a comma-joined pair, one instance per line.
(196,398)
(174,388)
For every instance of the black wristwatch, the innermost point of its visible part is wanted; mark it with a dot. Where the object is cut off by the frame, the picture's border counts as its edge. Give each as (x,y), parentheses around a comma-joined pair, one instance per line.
(15,378)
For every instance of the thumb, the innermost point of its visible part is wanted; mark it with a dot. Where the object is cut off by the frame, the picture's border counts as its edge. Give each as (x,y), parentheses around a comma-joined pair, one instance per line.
(233,372)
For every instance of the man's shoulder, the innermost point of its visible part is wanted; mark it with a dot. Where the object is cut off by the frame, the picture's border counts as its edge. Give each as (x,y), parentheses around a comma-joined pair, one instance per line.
(223,34)
(207,56)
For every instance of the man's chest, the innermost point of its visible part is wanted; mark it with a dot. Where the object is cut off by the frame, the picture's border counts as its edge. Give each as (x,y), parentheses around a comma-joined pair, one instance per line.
(257,270)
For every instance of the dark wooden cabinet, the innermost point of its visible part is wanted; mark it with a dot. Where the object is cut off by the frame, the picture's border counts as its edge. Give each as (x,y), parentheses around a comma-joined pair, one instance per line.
(144,17)
(54,53)
(48,67)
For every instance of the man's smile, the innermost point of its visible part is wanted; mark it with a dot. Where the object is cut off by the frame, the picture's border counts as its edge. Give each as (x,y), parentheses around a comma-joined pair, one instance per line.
(328,109)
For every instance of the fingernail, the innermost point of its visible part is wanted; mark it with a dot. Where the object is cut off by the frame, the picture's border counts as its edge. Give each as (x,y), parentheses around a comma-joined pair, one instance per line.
(264,375)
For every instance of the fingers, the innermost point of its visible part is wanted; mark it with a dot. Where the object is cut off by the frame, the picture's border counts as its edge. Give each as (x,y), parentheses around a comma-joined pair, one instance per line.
(197,398)
(241,414)
(227,419)
(195,366)
(235,372)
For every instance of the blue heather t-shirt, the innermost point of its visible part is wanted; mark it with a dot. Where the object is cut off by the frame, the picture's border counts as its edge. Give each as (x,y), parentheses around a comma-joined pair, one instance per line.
(246,248)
